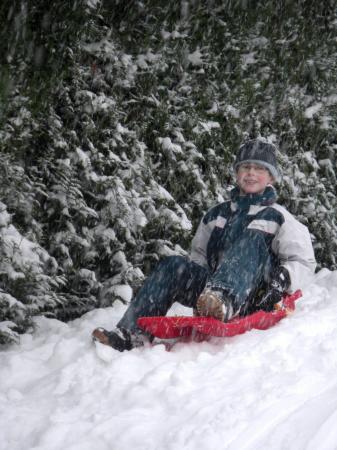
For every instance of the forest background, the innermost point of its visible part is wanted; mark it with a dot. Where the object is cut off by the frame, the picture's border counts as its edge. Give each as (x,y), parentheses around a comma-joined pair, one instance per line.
(119,122)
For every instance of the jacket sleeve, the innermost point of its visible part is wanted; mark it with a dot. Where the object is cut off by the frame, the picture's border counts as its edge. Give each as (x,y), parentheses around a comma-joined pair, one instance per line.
(198,252)
(292,244)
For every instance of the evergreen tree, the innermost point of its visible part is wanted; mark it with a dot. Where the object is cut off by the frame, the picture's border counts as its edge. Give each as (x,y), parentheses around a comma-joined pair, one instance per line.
(119,125)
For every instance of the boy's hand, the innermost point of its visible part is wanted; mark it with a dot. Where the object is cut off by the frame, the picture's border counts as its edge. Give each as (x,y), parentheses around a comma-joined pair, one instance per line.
(278,285)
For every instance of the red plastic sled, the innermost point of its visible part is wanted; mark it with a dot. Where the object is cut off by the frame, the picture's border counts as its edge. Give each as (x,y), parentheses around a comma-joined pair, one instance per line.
(196,327)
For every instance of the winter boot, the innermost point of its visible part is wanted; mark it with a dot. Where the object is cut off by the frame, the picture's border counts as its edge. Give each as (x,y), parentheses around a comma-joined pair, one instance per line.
(212,304)
(118,339)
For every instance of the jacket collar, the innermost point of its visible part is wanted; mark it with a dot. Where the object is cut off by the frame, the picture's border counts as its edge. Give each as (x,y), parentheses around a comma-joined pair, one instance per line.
(267,197)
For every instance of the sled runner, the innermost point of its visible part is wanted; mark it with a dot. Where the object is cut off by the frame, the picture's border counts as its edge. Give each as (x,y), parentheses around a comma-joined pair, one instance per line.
(198,328)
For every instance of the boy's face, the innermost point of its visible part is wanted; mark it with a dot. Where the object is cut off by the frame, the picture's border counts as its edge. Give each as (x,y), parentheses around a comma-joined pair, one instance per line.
(253,178)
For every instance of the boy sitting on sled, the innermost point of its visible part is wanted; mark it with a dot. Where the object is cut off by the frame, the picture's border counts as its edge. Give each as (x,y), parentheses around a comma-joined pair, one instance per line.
(247,252)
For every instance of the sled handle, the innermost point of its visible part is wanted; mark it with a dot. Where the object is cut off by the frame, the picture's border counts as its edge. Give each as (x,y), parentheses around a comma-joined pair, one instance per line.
(288,301)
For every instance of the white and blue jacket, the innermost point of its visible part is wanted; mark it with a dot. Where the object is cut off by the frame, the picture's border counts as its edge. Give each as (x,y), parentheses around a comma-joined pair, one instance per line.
(255,215)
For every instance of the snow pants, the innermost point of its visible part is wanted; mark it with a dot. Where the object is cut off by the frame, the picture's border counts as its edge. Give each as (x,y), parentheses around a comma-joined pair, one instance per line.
(174,279)
(241,272)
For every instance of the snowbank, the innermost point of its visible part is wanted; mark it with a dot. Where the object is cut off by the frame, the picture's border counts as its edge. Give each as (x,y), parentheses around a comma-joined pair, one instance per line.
(271,389)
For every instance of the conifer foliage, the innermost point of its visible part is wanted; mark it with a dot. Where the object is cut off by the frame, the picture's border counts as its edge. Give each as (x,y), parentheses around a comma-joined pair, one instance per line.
(119,122)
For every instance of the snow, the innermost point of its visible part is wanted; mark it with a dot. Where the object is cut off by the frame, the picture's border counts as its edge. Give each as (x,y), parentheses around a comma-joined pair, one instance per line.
(122,291)
(19,253)
(312,110)
(168,146)
(195,58)
(272,389)
(248,59)
(174,34)
(232,111)
(260,41)
(5,218)
(82,156)
(206,127)
(93,3)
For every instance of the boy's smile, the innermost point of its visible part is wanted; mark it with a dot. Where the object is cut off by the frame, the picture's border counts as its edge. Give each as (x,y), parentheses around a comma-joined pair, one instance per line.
(253,178)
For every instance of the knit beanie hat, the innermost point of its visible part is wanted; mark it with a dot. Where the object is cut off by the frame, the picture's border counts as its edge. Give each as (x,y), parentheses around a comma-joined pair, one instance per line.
(258,151)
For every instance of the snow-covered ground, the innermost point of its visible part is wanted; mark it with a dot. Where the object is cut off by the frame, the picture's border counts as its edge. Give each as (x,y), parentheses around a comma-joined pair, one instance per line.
(274,389)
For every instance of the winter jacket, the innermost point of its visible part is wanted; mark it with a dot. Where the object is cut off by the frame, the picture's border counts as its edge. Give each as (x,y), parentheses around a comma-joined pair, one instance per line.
(288,241)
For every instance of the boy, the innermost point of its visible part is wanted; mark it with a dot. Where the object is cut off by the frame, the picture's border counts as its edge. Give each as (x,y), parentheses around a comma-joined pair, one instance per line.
(242,248)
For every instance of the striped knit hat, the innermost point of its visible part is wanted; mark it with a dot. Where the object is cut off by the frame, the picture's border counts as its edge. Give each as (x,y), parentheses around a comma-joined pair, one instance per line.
(258,151)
